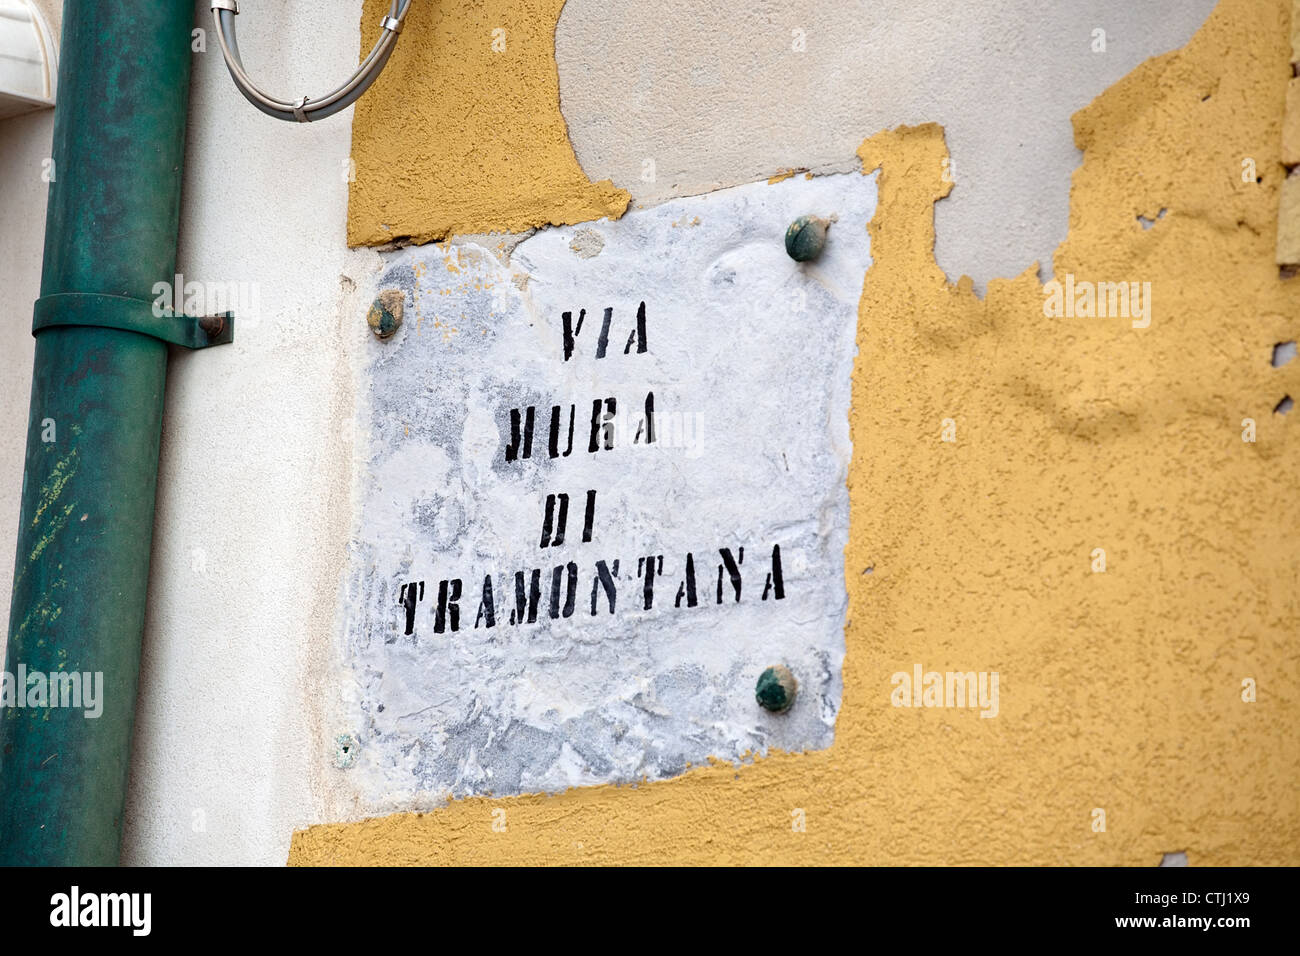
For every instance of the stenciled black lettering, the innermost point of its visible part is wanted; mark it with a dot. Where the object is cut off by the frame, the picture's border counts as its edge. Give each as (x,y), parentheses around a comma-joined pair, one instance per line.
(526,602)
(732,566)
(687,588)
(448,610)
(646,426)
(487,609)
(775,582)
(408,596)
(570,591)
(571,331)
(602,424)
(521,445)
(556,420)
(604,579)
(602,343)
(555,538)
(647,568)
(590,517)
(638,334)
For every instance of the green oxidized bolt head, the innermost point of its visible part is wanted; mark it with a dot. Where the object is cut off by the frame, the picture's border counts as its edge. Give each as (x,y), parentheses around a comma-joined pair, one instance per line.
(385,315)
(776,689)
(806,238)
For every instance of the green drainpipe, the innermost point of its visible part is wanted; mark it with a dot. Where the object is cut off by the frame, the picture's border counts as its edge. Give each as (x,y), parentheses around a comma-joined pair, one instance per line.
(92,435)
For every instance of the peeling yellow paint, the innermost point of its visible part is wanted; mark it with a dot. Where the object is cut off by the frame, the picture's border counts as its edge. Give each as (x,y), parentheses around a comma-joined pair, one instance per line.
(463,132)
(1121,690)
(783,175)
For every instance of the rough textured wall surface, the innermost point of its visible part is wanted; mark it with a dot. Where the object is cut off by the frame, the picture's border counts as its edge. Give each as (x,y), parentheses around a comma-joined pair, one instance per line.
(1001,76)
(483,147)
(677,100)
(1122,689)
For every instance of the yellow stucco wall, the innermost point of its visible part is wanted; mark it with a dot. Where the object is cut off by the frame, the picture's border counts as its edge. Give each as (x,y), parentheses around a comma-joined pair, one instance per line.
(1120,690)
(484,147)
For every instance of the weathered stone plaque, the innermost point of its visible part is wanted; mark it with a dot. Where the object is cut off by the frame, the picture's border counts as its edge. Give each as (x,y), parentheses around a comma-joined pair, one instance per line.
(602,488)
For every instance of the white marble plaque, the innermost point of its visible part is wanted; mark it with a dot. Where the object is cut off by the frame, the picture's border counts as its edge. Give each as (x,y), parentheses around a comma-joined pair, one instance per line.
(601,489)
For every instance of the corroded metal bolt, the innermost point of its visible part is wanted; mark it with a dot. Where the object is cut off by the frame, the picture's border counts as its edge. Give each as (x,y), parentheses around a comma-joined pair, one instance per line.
(776,689)
(385,315)
(212,325)
(806,238)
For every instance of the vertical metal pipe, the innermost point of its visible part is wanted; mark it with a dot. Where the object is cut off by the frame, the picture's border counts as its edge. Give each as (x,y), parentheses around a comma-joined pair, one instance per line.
(93,431)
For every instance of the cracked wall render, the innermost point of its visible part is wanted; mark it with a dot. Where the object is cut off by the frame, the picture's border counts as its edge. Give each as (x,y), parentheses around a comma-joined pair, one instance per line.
(1121,690)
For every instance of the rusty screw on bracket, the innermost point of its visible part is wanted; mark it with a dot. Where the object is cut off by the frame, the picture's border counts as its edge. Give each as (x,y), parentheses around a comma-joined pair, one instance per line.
(385,315)
(776,689)
(806,238)
(212,325)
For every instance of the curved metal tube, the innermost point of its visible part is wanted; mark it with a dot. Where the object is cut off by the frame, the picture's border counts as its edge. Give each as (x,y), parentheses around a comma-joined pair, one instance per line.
(307,109)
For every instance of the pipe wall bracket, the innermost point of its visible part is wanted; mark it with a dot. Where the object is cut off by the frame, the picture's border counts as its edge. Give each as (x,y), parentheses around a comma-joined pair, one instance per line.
(132,315)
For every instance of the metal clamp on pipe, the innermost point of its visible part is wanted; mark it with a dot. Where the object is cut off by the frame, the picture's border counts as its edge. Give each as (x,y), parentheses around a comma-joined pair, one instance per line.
(132,315)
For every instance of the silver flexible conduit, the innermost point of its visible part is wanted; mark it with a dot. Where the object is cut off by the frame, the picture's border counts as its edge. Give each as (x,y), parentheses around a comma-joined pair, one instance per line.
(307,109)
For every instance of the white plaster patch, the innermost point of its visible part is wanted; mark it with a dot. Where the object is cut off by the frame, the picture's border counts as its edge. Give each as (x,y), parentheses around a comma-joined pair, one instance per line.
(748,356)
